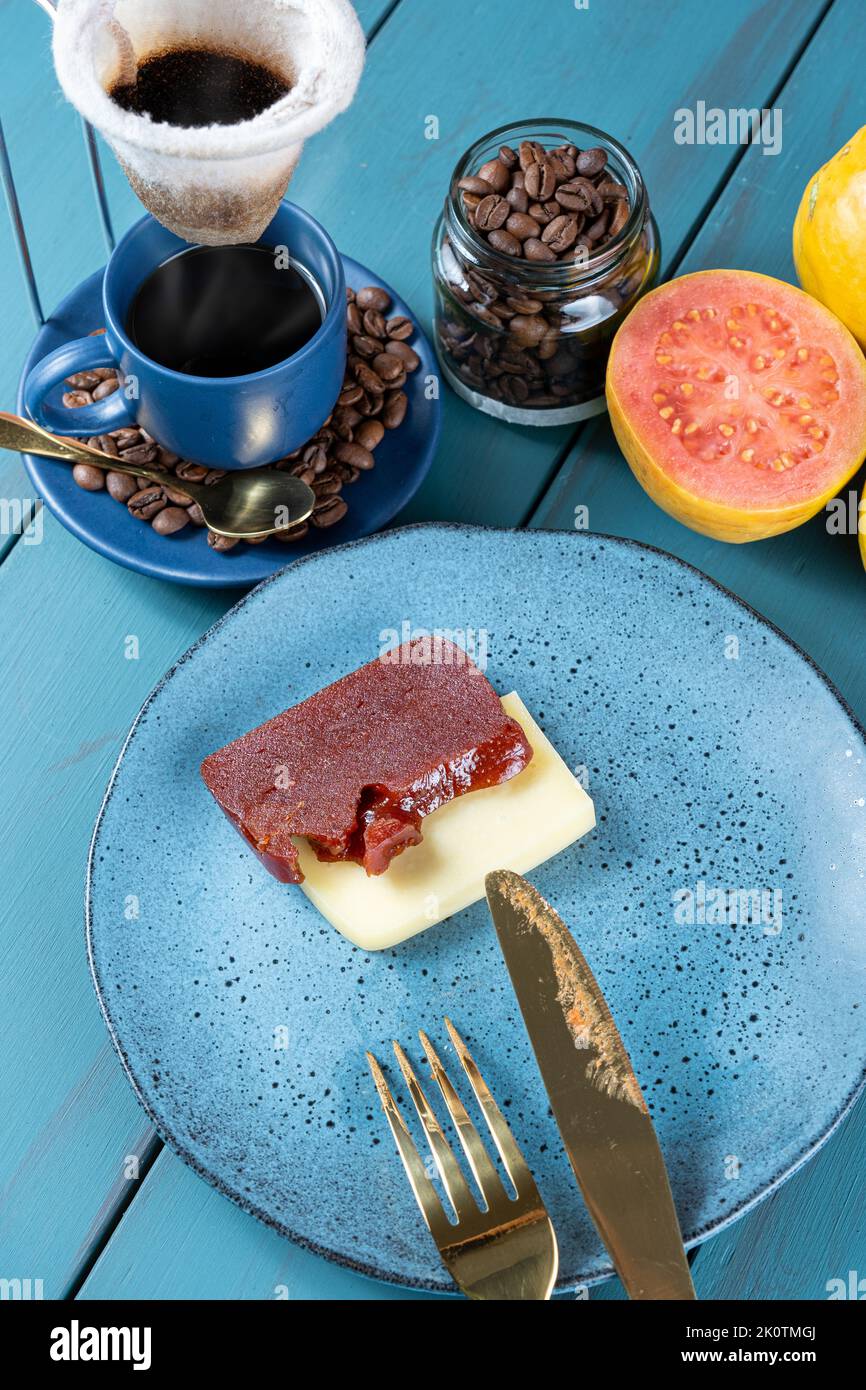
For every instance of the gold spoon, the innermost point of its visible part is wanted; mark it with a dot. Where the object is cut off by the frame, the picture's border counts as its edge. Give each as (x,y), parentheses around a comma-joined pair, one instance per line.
(246,502)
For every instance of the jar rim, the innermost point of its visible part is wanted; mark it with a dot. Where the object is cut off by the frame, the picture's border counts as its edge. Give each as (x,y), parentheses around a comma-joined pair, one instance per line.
(559,274)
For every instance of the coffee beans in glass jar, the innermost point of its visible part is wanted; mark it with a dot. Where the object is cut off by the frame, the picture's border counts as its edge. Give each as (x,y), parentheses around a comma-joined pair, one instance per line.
(372,400)
(546,241)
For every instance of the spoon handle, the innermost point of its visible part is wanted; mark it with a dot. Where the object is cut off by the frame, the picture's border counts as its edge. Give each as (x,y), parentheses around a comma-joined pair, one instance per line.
(24,436)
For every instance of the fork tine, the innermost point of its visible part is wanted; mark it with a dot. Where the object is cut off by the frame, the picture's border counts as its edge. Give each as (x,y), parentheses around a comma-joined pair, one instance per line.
(425,1193)
(515,1163)
(488,1180)
(456,1186)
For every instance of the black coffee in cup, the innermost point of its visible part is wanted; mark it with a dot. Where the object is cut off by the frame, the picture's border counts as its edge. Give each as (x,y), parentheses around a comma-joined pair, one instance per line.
(225,311)
(200,86)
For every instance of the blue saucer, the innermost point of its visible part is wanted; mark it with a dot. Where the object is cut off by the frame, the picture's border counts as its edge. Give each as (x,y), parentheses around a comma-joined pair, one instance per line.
(402,462)
(717,755)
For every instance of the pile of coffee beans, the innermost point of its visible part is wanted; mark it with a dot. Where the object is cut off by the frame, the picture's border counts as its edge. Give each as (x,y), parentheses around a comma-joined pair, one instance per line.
(371,401)
(545,205)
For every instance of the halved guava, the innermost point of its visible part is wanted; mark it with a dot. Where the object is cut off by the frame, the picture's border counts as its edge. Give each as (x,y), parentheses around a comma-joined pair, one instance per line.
(738,401)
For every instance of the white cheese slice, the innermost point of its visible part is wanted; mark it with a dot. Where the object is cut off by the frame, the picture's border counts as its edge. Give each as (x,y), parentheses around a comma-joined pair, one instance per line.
(517,825)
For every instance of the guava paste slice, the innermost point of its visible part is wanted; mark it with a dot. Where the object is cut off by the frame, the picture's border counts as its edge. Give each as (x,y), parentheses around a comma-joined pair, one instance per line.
(356,767)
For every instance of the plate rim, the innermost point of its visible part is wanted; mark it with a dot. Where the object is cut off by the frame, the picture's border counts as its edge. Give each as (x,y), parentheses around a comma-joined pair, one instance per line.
(243,1201)
(172,571)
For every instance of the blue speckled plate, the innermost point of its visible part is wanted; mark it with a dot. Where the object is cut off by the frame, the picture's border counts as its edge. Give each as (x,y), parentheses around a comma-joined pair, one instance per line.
(402,462)
(716,754)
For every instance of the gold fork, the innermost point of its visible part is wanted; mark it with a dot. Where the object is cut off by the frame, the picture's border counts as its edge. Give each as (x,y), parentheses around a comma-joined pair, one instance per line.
(508,1250)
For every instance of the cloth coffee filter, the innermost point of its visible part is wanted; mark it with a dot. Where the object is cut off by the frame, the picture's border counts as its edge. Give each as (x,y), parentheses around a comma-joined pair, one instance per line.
(219,183)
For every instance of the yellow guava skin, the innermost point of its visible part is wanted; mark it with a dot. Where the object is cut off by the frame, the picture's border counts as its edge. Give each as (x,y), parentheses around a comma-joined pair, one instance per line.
(830,236)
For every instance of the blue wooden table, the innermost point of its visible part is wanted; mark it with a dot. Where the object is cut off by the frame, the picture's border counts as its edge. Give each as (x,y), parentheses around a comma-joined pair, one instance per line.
(93,1204)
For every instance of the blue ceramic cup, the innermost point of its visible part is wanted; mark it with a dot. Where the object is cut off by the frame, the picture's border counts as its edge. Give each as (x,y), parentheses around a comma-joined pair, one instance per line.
(224,422)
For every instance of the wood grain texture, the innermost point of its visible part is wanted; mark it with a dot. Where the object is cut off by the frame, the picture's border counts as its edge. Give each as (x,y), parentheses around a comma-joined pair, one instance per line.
(193,1230)
(70,695)
(813,586)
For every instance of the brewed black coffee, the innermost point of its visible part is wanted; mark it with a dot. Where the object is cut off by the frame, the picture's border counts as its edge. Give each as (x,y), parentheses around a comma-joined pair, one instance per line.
(224,311)
(200,86)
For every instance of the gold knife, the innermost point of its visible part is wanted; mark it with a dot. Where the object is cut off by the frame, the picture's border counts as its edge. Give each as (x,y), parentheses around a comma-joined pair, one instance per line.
(596,1099)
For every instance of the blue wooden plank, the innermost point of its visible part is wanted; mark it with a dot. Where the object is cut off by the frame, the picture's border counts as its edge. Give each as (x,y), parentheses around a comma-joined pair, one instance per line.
(811,584)
(190,1229)
(376,182)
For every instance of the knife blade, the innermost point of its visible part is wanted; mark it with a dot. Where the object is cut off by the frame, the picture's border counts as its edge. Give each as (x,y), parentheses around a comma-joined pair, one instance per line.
(593,1091)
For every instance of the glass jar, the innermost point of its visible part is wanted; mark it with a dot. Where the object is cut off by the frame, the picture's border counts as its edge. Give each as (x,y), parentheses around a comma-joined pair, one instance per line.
(528,341)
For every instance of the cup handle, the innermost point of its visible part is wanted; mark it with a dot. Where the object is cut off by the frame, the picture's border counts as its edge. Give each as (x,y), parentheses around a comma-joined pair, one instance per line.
(81,355)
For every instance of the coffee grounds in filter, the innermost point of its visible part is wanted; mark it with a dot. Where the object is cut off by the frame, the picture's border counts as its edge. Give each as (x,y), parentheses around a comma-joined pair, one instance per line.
(222,182)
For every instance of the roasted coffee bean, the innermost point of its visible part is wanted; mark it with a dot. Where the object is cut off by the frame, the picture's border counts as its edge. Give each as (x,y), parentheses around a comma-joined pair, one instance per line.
(399,328)
(217,542)
(369,434)
(190,472)
(105,444)
(527,329)
(176,496)
(562,164)
(368,379)
(596,229)
(541,215)
(126,437)
(88,476)
(83,381)
(365,346)
(517,199)
(74,399)
(540,180)
(561,233)
(196,515)
(508,156)
(619,219)
(504,242)
(408,356)
(147,502)
(350,394)
(496,174)
(170,520)
(612,192)
(591,162)
(473,184)
(329,511)
(535,250)
(346,417)
(213,475)
(374,324)
(293,533)
(394,411)
(355,455)
(530,152)
(329,484)
(491,213)
(522,304)
(521,225)
(105,388)
(579,195)
(141,454)
(371,297)
(120,486)
(388,366)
